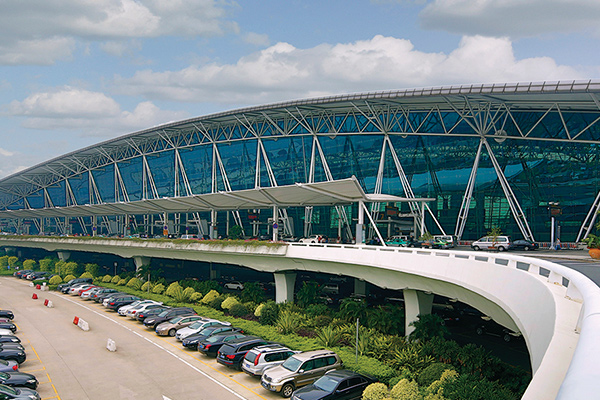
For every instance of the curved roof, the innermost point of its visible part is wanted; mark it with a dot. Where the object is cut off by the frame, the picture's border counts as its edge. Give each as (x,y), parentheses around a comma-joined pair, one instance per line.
(299,116)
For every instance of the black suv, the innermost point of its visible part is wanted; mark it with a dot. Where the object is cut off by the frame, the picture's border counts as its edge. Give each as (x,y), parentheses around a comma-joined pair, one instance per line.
(121,301)
(232,353)
(153,321)
(73,282)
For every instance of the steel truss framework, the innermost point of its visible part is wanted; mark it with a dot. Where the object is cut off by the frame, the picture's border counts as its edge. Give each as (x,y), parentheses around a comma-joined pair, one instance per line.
(555,124)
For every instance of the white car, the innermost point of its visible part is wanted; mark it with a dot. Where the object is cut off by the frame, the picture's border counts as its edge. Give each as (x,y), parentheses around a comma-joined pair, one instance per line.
(74,290)
(131,312)
(196,327)
(123,310)
(235,285)
(313,239)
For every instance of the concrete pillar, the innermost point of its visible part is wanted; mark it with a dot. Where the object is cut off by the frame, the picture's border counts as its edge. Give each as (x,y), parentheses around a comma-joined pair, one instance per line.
(94,225)
(284,286)
(140,261)
(212,231)
(215,272)
(360,224)
(63,255)
(360,286)
(275,223)
(415,303)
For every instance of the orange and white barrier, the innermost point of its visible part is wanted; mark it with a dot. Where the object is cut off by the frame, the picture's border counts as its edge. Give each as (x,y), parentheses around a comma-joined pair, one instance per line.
(81,323)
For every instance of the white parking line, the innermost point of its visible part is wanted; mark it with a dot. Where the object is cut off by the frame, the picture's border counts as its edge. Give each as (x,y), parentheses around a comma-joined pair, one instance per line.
(155,344)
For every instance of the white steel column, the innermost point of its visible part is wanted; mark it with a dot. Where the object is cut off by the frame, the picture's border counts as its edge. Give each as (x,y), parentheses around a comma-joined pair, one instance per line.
(415,303)
(463,213)
(590,220)
(275,223)
(361,221)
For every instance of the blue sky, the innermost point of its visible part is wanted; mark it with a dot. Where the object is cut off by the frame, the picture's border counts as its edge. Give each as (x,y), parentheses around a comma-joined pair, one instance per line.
(74,73)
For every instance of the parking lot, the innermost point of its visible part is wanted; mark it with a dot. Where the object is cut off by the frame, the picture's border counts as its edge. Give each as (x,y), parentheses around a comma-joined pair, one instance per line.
(72,364)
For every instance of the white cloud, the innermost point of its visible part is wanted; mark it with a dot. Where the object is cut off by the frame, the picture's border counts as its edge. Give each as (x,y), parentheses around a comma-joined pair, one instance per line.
(88,113)
(514,18)
(283,71)
(120,48)
(5,153)
(26,25)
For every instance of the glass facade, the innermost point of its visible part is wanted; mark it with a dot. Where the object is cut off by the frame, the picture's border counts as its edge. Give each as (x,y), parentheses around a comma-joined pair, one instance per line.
(546,155)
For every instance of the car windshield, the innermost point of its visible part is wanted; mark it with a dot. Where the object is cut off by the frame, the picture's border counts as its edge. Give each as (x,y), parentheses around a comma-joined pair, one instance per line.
(4,375)
(163,314)
(291,364)
(213,339)
(8,389)
(175,320)
(3,362)
(197,324)
(205,331)
(326,384)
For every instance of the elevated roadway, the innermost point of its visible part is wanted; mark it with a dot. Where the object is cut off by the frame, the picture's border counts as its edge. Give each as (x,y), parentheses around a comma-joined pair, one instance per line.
(556,308)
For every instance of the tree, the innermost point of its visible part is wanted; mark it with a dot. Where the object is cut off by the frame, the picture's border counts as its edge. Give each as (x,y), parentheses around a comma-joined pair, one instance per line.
(308,294)
(351,309)
(236,232)
(427,327)
(252,292)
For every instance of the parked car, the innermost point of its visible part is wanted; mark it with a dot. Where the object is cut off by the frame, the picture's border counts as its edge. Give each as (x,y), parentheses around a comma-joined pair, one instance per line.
(211,346)
(12,393)
(330,288)
(112,297)
(488,326)
(7,314)
(38,275)
(132,311)
(150,312)
(101,296)
(8,365)
(336,384)
(450,240)
(9,339)
(232,353)
(74,289)
(21,274)
(315,239)
(142,302)
(166,315)
(300,370)
(397,241)
(191,341)
(197,326)
(171,326)
(5,332)
(13,353)
(261,358)
(8,325)
(11,345)
(524,244)
(500,243)
(19,379)
(73,282)
(235,285)
(118,302)
(86,295)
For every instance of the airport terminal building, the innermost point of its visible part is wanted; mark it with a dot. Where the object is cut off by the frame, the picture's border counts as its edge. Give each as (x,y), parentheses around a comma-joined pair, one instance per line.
(519,157)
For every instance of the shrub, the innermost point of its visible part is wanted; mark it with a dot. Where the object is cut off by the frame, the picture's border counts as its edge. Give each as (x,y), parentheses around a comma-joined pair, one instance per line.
(59,267)
(107,278)
(158,289)
(375,391)
(115,279)
(252,292)
(207,286)
(216,303)
(146,285)
(432,373)
(405,390)
(55,280)
(122,282)
(47,264)
(196,297)
(68,278)
(172,288)
(29,264)
(288,322)
(258,310)
(72,268)
(210,296)
(329,336)
(12,261)
(93,269)
(4,261)
(183,295)
(134,283)
(228,302)
(236,232)
(318,310)
(269,313)
(238,310)
(86,275)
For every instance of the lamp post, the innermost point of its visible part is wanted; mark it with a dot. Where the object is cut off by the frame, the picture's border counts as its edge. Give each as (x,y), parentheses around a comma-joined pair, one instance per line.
(115,268)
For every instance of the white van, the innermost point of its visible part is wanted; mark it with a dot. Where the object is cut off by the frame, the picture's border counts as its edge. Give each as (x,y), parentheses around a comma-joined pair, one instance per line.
(451,240)
(500,243)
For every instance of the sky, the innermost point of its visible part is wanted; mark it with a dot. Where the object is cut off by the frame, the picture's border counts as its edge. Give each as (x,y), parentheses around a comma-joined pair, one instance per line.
(74,73)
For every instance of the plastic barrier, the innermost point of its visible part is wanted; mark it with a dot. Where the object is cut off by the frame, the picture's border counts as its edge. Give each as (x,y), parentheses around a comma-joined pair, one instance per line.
(111,345)
(83,325)
(76,320)
(50,304)
(38,286)
(46,302)
(34,296)
(45,287)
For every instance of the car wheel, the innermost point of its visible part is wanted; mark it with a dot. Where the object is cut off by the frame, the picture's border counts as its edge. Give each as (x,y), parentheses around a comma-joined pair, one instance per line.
(172,332)
(479,331)
(501,248)
(476,248)
(526,248)
(287,390)
(506,337)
